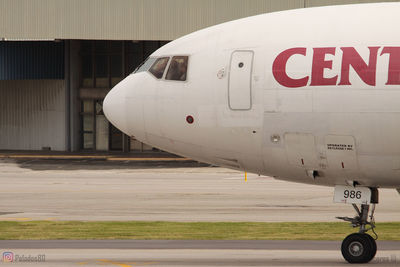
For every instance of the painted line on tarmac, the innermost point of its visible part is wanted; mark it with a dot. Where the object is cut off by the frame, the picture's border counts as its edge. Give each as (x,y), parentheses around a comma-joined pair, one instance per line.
(50,157)
(109,158)
(117,263)
(114,263)
(149,159)
(16,219)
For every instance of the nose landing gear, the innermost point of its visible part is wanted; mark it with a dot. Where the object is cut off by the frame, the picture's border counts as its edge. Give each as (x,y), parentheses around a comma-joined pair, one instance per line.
(360,247)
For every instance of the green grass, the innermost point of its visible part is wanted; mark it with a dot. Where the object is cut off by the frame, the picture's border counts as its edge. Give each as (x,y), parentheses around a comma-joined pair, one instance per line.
(10,230)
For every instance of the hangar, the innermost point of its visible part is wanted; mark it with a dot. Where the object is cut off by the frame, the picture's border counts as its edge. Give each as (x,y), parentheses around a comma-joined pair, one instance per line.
(59,58)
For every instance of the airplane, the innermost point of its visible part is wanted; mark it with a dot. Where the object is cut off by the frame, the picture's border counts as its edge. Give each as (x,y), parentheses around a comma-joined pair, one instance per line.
(308,95)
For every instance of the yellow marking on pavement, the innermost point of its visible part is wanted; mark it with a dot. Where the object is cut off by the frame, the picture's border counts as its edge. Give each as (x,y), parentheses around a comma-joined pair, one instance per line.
(83,263)
(115,263)
(148,159)
(53,157)
(111,158)
(16,219)
(122,264)
(142,263)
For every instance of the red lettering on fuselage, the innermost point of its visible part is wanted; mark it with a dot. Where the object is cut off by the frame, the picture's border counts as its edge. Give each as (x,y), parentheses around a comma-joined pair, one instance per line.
(320,64)
(279,68)
(366,70)
(394,64)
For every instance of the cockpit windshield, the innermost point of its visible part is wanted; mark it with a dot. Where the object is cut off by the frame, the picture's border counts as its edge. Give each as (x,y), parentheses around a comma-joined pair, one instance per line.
(159,66)
(177,69)
(146,65)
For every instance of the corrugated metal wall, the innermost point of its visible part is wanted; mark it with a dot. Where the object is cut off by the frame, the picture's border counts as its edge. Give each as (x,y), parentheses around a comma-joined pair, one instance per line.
(123,19)
(32,114)
(131,19)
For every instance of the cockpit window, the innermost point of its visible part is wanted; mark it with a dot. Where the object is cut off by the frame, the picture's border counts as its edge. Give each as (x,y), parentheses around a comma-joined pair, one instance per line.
(178,69)
(158,68)
(145,66)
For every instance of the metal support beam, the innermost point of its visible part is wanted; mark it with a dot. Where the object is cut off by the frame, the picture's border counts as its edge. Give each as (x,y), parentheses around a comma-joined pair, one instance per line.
(125,143)
(67,79)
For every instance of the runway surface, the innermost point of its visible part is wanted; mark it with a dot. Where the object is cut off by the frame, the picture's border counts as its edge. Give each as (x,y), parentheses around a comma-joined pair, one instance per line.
(98,190)
(189,253)
(157,191)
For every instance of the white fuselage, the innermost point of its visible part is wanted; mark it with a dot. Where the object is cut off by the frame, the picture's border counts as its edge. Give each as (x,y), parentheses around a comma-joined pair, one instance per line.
(294,94)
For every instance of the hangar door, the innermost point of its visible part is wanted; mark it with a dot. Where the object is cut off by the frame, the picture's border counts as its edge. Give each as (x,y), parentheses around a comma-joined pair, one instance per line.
(239,91)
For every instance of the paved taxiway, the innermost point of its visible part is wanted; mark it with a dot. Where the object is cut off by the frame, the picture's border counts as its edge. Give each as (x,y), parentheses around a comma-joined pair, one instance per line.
(101,190)
(192,253)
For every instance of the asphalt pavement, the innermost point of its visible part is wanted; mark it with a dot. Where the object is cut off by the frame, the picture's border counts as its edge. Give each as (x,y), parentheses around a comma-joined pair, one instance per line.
(168,189)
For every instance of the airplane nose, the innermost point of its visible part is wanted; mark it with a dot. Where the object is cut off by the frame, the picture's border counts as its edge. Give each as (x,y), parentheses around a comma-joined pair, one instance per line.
(114,107)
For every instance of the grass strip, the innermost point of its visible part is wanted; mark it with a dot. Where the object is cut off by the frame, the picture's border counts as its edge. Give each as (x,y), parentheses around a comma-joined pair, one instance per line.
(36,230)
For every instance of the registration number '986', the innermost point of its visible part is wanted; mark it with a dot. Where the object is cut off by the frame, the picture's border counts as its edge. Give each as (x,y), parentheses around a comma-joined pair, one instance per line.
(352,195)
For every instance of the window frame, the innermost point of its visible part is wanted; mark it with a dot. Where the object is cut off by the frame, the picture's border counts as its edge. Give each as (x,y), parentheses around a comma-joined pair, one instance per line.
(187,68)
(165,70)
(163,78)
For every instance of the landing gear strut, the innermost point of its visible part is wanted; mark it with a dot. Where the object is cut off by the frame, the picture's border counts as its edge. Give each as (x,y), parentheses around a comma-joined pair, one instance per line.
(360,247)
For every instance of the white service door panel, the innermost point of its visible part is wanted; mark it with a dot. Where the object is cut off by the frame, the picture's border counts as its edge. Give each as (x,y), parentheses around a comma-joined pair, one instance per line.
(240,80)
(301,149)
(341,152)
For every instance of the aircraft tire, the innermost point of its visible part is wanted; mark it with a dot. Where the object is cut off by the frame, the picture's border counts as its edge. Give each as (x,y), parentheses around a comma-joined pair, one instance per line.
(358,248)
(374,247)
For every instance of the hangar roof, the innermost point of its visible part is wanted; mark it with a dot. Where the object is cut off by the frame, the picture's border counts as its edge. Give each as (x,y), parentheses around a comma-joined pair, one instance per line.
(123,19)
(129,19)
